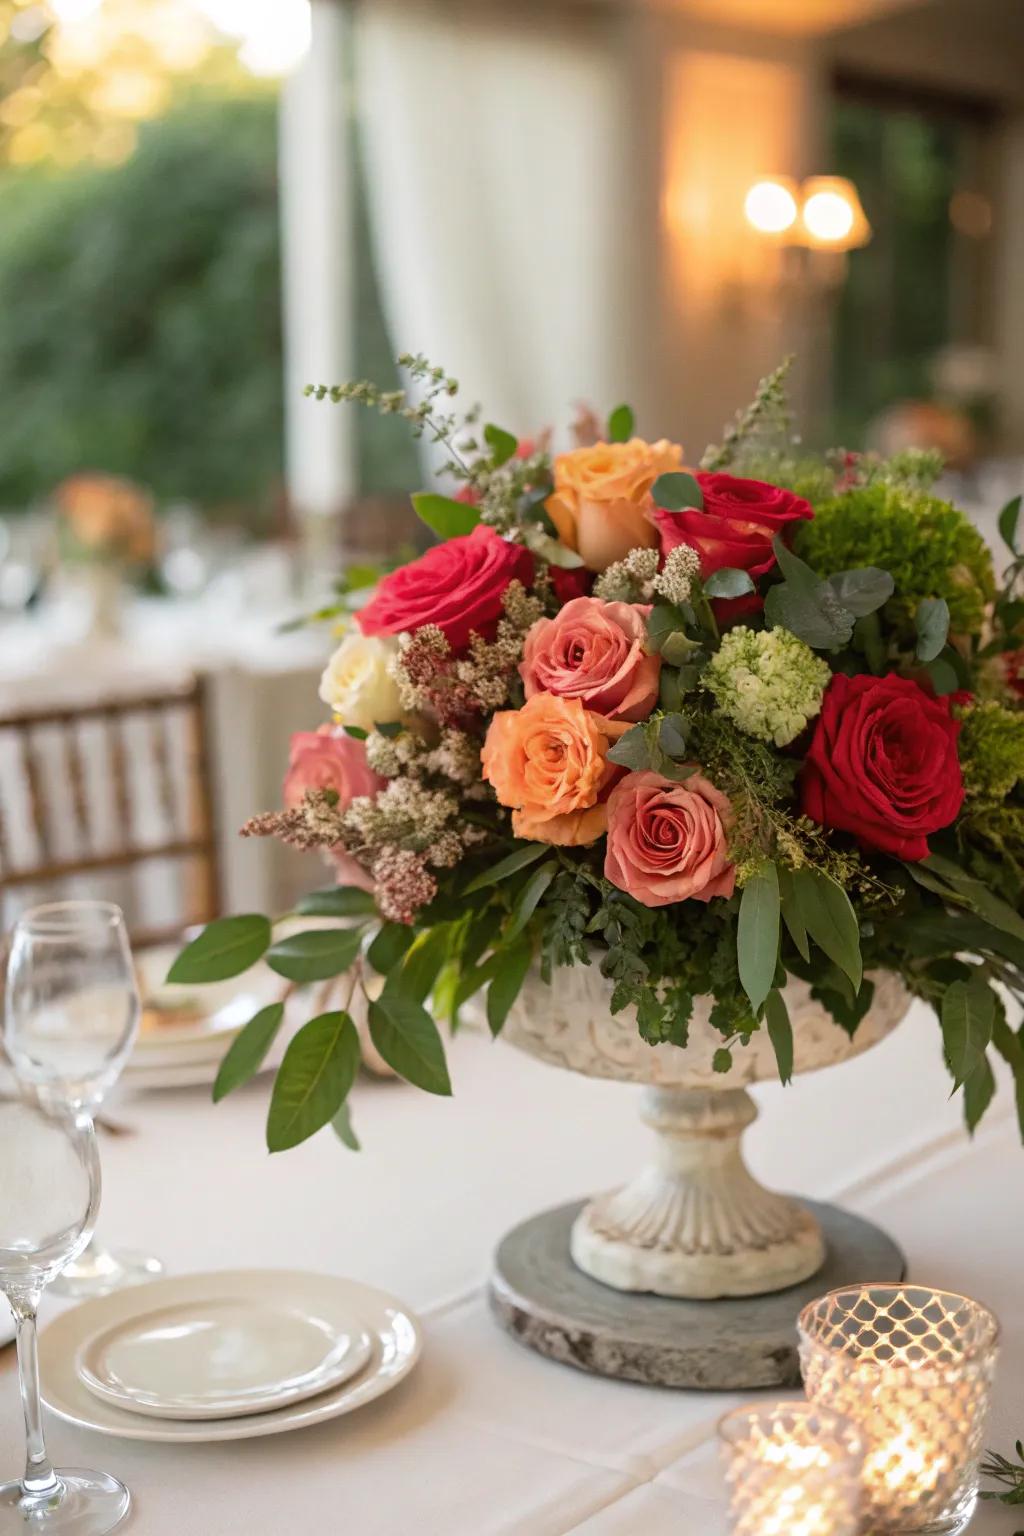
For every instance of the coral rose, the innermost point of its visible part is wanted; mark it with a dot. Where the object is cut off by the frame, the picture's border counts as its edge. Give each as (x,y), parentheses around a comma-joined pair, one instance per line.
(883,764)
(601,504)
(667,841)
(594,652)
(548,762)
(457,585)
(735,528)
(328,759)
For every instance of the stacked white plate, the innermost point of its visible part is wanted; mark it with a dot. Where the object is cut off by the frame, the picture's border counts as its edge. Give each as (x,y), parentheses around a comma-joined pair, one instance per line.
(187,1030)
(225,1356)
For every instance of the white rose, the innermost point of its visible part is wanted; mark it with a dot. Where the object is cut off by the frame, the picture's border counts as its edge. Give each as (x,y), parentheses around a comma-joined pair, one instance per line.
(356,683)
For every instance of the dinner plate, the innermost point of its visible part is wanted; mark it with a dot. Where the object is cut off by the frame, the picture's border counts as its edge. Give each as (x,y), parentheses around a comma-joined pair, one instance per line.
(228,1352)
(394,1334)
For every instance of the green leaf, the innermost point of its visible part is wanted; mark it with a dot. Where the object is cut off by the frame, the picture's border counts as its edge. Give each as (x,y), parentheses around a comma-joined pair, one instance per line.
(847,1011)
(830,920)
(423,960)
(341,1125)
(943,676)
(620,424)
(1008,518)
(388,728)
(248,1050)
(721,1061)
(519,858)
(757,934)
(510,972)
(791,912)
(316,954)
(1012,1051)
(528,899)
(407,1038)
(631,750)
(863,591)
(356,732)
(225,948)
(318,1069)
(728,581)
(818,619)
(956,884)
(389,945)
(979,1091)
(670,690)
(932,621)
(551,550)
(449,519)
(337,901)
(663,621)
(672,735)
(869,643)
(968,1017)
(502,444)
(780,1032)
(677,648)
(796,571)
(676,491)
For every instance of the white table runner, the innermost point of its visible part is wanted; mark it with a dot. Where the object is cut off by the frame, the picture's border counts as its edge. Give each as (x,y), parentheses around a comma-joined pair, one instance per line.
(487,1439)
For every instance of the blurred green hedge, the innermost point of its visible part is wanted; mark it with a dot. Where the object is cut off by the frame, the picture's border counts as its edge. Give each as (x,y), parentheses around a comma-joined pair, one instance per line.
(140,326)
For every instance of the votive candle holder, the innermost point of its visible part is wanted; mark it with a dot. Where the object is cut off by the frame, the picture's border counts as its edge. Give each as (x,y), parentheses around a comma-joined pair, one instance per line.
(912,1368)
(792,1469)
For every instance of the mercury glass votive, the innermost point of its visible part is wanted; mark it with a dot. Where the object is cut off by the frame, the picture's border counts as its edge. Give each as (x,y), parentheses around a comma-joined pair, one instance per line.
(793,1469)
(912,1368)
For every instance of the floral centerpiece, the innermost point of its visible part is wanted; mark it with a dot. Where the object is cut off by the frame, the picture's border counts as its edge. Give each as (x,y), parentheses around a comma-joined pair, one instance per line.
(704,729)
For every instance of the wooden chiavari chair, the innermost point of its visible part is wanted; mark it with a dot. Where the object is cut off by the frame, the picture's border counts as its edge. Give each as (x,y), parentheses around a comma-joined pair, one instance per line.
(111,800)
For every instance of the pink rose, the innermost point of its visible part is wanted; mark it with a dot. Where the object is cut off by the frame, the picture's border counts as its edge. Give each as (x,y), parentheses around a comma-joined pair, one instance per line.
(666,841)
(328,759)
(457,585)
(594,652)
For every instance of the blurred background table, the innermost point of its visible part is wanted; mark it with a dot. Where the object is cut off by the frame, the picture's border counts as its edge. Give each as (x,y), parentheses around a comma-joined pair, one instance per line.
(487,1439)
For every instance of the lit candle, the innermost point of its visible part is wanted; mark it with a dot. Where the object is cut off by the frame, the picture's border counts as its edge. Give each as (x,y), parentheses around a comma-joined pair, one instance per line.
(793,1469)
(912,1368)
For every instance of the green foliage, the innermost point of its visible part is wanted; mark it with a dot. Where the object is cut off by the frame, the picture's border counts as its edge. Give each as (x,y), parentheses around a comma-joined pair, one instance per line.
(620,424)
(248,1050)
(140,313)
(225,948)
(928,547)
(407,1038)
(318,1069)
(991,747)
(317,954)
(445,517)
(757,934)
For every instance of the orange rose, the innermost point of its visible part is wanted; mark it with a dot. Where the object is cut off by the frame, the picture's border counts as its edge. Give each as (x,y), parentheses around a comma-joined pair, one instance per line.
(548,761)
(601,504)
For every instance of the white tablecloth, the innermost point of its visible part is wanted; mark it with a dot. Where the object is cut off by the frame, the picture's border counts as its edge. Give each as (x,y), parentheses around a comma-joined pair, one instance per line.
(485,1438)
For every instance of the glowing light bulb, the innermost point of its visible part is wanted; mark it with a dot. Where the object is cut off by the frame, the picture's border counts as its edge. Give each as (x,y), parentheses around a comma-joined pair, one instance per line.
(828,216)
(832,217)
(771,207)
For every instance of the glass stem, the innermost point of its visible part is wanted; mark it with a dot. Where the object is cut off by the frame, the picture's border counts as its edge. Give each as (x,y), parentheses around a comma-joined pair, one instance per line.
(40,1480)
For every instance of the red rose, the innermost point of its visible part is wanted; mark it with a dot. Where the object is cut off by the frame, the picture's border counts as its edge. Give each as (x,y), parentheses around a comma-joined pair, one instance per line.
(570,582)
(736,526)
(457,585)
(883,764)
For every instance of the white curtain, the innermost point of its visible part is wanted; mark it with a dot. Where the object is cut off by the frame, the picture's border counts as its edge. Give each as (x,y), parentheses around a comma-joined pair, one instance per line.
(495,159)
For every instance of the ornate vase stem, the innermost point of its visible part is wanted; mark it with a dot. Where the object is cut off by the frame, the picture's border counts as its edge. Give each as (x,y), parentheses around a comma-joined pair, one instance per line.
(695,1222)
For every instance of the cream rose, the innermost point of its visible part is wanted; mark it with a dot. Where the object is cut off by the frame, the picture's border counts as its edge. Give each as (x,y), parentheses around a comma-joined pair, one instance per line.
(357,685)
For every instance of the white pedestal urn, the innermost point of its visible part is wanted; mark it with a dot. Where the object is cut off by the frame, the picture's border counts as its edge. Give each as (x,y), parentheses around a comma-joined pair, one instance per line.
(694,1222)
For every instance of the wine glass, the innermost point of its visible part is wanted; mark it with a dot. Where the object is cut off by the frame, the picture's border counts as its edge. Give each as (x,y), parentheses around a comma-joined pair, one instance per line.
(72,1015)
(49,1195)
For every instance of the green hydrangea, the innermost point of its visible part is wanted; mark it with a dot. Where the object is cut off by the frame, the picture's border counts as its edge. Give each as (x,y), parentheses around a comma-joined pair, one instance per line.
(928,547)
(991,747)
(769,683)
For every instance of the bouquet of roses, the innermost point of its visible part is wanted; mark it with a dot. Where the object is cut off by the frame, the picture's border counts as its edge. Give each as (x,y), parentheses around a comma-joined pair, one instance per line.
(701,728)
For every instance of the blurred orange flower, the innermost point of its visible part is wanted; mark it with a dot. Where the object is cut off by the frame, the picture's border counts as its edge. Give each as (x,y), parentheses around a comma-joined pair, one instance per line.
(107,515)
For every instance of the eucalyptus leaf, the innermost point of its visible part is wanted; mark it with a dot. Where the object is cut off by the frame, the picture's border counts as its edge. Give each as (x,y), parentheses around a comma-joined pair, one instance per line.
(757,934)
(729,581)
(791,912)
(663,621)
(550,549)
(447,518)
(631,750)
(677,491)
(830,920)
(620,424)
(1008,519)
(780,1032)
(817,618)
(225,948)
(862,591)
(316,954)
(337,901)
(670,687)
(869,642)
(968,1017)
(519,858)
(943,676)
(248,1050)
(932,622)
(672,734)
(678,648)
(503,445)
(512,965)
(318,1069)
(407,1038)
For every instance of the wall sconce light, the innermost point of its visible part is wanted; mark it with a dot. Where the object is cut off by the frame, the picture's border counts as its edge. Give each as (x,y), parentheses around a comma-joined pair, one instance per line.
(822,214)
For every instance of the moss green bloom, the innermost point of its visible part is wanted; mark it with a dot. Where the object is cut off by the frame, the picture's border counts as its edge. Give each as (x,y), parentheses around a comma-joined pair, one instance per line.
(769,683)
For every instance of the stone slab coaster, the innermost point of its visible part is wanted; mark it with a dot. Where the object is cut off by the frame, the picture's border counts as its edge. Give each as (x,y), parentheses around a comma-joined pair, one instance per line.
(738,1344)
